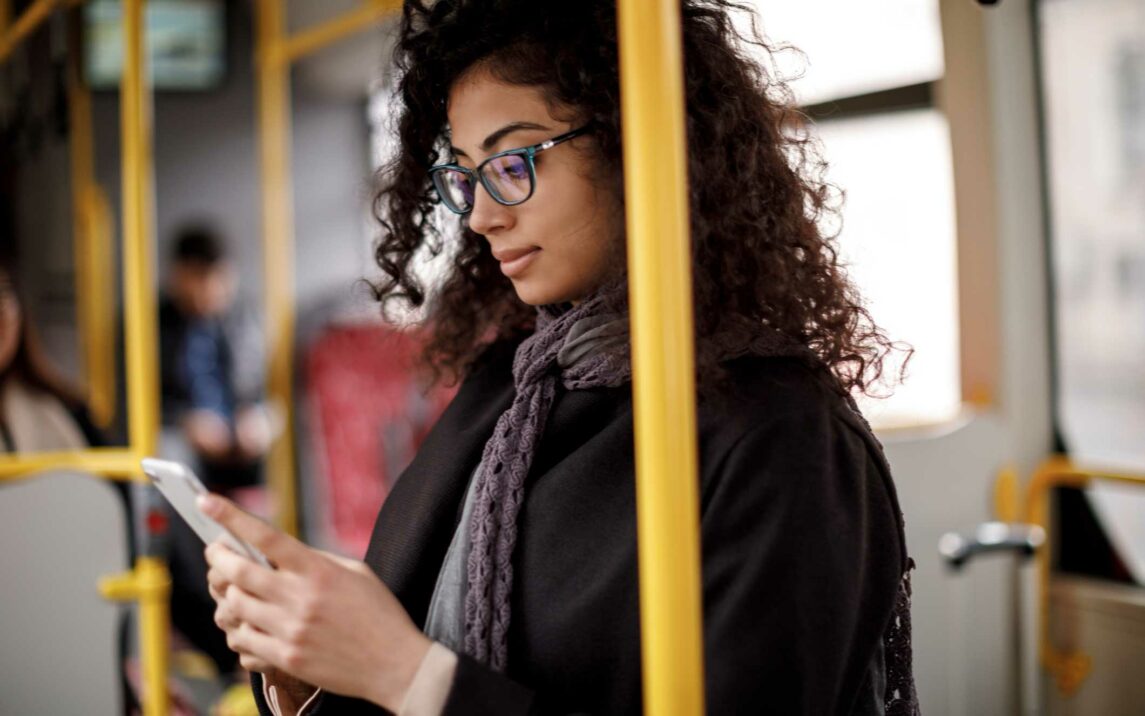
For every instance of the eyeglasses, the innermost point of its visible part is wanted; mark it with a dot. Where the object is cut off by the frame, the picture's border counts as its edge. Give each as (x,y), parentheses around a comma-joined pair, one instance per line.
(510,177)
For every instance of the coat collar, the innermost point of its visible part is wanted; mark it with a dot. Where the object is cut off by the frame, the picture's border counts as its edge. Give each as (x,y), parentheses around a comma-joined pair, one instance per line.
(420,515)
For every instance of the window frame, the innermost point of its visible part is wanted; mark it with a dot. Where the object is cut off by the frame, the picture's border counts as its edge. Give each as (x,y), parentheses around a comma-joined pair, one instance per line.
(962,95)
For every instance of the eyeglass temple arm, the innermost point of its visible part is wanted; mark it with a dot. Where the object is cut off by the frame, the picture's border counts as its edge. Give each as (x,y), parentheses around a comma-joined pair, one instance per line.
(549,144)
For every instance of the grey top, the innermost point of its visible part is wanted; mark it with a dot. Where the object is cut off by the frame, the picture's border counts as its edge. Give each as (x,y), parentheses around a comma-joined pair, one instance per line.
(445,620)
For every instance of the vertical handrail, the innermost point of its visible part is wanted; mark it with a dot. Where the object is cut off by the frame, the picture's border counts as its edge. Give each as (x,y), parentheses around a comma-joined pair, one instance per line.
(139,292)
(140,328)
(102,318)
(149,585)
(91,240)
(278,246)
(1068,666)
(659,258)
(275,50)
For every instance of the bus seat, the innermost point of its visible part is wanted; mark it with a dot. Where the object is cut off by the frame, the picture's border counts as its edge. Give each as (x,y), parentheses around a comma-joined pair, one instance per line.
(365,417)
(61,532)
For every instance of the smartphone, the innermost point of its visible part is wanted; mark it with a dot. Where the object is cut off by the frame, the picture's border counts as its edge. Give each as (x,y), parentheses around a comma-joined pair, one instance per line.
(181,488)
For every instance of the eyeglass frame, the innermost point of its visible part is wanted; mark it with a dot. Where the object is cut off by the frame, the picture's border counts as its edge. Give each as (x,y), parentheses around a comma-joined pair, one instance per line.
(529,152)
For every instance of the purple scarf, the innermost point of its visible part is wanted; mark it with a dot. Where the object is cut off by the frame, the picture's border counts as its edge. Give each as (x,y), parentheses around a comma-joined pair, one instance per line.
(506,461)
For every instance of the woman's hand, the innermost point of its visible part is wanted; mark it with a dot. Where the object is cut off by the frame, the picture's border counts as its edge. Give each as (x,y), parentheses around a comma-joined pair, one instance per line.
(225,618)
(323,619)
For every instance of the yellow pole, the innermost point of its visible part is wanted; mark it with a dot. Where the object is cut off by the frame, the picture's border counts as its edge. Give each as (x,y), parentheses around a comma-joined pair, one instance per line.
(139,289)
(101,317)
(1069,667)
(149,584)
(331,31)
(655,168)
(114,463)
(92,242)
(278,246)
(82,172)
(154,621)
(24,25)
(140,323)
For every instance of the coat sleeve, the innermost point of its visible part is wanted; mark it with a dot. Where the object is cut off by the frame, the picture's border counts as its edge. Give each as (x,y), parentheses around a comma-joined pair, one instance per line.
(803,555)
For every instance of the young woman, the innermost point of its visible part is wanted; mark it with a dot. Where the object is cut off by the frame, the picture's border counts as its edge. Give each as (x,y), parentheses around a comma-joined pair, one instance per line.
(39,410)
(502,576)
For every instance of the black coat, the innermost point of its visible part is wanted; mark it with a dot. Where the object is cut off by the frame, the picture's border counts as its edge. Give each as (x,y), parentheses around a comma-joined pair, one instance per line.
(802,548)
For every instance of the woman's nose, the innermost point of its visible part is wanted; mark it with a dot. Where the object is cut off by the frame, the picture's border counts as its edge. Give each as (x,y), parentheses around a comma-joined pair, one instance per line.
(487,216)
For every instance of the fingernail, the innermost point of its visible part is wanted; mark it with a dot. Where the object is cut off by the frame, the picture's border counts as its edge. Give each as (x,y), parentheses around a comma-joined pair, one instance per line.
(210,505)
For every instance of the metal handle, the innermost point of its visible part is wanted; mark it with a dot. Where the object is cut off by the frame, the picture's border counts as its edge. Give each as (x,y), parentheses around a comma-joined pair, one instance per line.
(958,548)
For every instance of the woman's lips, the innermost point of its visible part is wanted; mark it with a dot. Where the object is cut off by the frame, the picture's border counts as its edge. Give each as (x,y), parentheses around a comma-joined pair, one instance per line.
(515,261)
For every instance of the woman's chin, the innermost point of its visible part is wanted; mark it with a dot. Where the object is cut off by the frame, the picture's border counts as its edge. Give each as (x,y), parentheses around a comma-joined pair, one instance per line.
(536,293)
(531,295)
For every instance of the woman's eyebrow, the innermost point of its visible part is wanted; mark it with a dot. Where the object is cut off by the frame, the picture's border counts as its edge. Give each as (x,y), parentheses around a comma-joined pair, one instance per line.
(500,134)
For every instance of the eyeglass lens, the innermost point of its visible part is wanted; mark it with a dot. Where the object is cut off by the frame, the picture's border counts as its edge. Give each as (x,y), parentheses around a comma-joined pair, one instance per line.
(506,177)
(455,188)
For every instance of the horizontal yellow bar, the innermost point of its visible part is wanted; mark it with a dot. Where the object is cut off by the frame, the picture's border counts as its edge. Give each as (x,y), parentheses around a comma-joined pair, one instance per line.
(327,33)
(25,25)
(115,463)
(1060,471)
(148,580)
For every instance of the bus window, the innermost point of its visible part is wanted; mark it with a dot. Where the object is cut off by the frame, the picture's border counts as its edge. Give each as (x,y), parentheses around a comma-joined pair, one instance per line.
(867,80)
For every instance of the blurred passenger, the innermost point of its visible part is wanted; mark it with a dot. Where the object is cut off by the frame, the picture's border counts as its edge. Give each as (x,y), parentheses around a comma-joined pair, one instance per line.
(39,411)
(213,417)
(211,365)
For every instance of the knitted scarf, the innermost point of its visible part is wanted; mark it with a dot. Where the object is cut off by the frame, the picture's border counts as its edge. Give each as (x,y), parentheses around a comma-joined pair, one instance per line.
(506,461)
(557,351)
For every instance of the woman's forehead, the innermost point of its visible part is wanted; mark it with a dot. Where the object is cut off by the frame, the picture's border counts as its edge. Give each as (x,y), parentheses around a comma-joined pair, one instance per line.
(480,105)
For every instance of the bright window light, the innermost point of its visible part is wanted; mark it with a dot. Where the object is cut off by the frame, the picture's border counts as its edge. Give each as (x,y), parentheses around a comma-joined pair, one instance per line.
(898,239)
(854,47)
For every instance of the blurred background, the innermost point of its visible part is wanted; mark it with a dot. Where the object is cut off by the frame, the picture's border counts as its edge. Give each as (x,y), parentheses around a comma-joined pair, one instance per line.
(992,160)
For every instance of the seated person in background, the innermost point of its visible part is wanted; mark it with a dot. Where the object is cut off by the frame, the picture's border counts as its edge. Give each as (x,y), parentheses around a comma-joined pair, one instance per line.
(39,411)
(211,365)
(211,380)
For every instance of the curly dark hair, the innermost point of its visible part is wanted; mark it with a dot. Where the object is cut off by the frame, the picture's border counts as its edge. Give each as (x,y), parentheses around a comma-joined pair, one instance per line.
(758,200)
